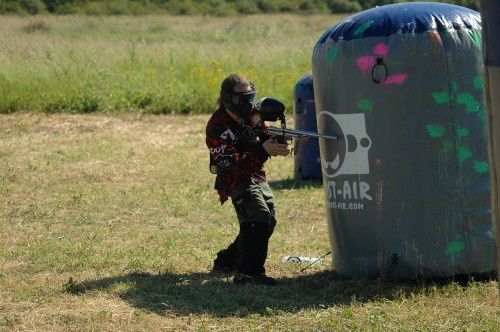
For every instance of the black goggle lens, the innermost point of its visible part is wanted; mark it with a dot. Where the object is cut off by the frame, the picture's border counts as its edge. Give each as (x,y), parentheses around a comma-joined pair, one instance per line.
(243,98)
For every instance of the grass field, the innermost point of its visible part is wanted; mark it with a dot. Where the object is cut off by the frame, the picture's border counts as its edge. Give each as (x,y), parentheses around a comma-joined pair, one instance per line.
(151,64)
(111,223)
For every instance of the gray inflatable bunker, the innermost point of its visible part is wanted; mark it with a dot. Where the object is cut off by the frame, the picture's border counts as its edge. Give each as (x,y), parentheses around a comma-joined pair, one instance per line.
(307,162)
(407,186)
(491,51)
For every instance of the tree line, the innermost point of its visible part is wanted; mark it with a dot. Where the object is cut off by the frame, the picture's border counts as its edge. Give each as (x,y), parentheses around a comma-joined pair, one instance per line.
(197,7)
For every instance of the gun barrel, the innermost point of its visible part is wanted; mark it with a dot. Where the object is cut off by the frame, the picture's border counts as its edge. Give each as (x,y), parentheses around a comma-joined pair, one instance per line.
(298,133)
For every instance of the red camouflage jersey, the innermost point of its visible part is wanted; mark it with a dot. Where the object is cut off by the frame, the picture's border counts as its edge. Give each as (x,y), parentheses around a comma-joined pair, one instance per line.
(237,152)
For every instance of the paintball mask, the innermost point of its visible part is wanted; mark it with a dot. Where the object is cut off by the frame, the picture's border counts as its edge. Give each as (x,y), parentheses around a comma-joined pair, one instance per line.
(240,103)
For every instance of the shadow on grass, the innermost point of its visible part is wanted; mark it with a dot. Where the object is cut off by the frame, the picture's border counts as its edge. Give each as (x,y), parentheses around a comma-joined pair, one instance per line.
(292,183)
(213,294)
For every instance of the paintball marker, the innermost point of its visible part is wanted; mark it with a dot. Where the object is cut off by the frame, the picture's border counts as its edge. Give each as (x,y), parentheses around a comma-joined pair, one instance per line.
(272,110)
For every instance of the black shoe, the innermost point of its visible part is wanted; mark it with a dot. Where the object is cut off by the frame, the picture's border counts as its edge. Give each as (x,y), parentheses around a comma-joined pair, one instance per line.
(258,279)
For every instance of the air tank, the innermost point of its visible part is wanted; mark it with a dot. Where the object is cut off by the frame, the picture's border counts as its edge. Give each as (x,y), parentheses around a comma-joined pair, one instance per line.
(408,185)
(307,161)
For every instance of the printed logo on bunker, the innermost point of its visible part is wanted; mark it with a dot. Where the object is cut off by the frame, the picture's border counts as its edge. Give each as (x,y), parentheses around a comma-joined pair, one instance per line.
(349,155)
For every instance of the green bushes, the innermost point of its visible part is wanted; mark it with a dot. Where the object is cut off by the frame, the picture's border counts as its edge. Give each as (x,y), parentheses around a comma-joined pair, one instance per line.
(196,7)
(343,6)
(31,7)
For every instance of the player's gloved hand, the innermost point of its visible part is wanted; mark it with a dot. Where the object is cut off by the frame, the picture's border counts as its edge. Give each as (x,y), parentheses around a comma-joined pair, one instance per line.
(275,149)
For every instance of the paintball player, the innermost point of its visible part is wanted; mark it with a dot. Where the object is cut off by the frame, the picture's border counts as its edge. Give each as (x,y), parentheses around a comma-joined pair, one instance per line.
(239,147)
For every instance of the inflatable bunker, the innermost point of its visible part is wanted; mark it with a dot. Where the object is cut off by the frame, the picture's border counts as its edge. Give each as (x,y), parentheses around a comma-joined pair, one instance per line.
(307,162)
(407,187)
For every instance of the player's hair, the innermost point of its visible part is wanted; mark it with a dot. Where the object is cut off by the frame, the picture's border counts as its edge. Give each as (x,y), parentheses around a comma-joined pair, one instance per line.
(229,84)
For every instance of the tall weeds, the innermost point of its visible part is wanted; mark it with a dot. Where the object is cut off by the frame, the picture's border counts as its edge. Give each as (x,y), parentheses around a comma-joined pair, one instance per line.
(153,64)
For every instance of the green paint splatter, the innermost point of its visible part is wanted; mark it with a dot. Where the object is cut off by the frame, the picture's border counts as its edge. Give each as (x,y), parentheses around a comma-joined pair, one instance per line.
(332,52)
(441,97)
(472,106)
(462,132)
(366,105)
(454,248)
(466,99)
(475,38)
(478,82)
(435,131)
(481,167)
(463,154)
(361,29)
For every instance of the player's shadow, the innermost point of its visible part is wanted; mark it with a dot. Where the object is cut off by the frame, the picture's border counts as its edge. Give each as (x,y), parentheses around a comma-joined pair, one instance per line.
(295,183)
(206,293)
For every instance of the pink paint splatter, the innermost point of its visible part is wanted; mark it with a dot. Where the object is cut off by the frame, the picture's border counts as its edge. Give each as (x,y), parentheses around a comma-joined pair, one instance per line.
(381,49)
(365,63)
(396,79)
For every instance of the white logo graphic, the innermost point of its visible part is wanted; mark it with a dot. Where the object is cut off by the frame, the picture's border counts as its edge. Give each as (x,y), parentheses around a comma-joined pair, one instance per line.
(226,133)
(219,149)
(350,154)
(346,156)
